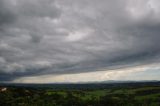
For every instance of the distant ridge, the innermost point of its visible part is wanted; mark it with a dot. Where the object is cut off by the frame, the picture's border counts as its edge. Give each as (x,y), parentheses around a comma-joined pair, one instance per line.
(116,81)
(86,85)
(89,82)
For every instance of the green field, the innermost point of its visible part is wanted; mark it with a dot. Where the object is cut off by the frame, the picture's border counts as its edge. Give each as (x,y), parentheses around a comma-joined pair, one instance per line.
(124,96)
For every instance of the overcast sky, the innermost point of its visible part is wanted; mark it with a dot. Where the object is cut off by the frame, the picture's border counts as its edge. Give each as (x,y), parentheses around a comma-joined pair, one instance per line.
(45,41)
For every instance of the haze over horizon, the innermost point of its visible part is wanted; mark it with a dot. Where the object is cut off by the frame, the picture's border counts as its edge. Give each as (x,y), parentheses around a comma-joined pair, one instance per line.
(47,41)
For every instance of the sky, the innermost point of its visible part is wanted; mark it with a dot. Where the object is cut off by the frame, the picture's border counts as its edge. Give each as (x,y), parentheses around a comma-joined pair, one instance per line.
(50,41)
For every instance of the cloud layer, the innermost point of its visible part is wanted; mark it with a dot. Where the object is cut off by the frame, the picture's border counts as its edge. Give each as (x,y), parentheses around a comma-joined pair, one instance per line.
(40,37)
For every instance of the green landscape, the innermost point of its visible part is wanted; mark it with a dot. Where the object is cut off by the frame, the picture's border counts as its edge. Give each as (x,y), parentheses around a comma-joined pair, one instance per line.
(49,96)
(79,52)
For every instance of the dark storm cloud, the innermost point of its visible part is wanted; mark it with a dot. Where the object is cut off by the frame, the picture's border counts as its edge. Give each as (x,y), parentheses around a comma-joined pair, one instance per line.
(74,36)
(6,15)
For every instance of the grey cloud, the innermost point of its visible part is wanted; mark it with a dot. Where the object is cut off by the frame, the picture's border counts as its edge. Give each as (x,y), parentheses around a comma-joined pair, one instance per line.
(75,36)
(38,8)
(6,15)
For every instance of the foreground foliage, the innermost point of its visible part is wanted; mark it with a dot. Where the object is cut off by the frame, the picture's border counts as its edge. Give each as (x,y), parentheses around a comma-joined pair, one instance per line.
(140,96)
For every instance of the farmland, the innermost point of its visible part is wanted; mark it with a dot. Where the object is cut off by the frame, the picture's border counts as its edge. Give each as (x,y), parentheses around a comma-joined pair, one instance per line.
(144,95)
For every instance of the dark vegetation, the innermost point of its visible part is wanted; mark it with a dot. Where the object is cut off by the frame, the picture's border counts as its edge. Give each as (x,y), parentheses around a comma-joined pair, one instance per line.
(140,94)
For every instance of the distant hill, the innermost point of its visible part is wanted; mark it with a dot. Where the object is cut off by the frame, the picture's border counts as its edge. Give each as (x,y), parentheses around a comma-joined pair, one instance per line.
(88,85)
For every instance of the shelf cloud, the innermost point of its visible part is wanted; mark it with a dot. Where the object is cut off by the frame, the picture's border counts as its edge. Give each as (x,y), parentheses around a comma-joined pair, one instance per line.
(43,37)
